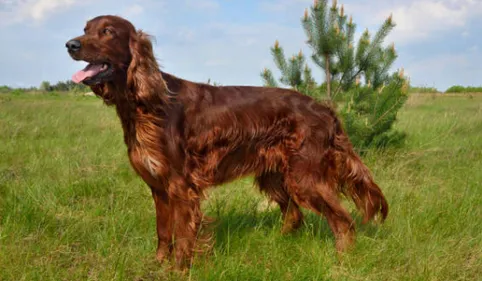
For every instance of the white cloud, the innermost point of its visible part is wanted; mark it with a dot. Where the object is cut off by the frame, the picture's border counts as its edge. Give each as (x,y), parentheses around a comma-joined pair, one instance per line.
(38,10)
(203,4)
(284,5)
(186,35)
(216,62)
(421,20)
(474,48)
(33,10)
(229,53)
(416,20)
(133,10)
(207,45)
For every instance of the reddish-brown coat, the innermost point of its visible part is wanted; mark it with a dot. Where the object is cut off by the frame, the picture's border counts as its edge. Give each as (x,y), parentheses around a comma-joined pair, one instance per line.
(183,137)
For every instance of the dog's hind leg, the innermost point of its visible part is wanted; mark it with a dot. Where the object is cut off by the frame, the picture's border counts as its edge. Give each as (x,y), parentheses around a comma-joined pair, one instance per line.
(339,220)
(311,191)
(273,185)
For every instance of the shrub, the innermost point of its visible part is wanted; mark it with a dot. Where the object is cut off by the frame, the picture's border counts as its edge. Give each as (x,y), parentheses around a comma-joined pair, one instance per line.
(5,89)
(369,114)
(17,92)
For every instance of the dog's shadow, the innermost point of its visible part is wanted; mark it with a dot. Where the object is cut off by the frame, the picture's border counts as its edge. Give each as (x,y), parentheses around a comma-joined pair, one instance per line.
(233,224)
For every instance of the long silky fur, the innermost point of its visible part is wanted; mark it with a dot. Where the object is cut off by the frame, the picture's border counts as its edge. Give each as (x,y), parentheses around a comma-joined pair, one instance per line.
(184,137)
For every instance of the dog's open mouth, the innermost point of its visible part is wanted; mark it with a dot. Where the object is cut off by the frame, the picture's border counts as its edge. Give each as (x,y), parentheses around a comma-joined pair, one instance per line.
(93,73)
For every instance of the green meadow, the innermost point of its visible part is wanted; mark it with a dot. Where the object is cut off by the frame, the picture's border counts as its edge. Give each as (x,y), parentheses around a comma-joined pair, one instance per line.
(71,207)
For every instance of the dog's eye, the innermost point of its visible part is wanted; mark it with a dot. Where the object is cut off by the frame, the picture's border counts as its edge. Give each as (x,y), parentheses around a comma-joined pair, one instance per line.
(107,31)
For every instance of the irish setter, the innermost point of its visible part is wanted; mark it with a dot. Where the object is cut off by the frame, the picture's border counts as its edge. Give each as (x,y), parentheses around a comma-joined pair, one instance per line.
(183,137)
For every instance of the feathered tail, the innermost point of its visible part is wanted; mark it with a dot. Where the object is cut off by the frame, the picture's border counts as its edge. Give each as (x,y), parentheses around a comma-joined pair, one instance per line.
(356,179)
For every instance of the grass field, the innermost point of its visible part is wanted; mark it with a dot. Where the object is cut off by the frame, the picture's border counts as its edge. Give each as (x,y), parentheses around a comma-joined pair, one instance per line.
(71,208)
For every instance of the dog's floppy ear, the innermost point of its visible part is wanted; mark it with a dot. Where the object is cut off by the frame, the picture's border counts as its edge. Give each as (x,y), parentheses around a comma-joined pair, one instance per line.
(144,79)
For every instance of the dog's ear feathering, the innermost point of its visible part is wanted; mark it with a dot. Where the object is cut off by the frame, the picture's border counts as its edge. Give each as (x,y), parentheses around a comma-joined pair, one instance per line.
(143,75)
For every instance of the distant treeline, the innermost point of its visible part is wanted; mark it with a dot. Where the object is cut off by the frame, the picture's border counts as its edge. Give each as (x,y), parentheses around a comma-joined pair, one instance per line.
(452,89)
(61,86)
(423,90)
(462,89)
(69,86)
(45,86)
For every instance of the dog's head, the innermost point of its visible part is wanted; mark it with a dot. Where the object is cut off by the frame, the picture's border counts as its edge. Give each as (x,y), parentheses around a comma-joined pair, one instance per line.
(114,51)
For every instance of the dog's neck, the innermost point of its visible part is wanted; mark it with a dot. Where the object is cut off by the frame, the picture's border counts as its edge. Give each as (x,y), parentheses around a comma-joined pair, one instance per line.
(138,113)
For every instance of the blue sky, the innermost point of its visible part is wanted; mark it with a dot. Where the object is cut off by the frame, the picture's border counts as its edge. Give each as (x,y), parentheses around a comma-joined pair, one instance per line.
(438,41)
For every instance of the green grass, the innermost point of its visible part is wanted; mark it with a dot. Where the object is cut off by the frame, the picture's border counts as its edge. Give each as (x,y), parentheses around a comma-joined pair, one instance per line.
(71,207)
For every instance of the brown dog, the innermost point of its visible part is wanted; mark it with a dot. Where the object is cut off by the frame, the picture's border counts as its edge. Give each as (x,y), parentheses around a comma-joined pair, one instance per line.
(183,137)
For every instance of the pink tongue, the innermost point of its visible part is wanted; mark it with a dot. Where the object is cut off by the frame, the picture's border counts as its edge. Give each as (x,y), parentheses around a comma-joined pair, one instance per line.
(89,71)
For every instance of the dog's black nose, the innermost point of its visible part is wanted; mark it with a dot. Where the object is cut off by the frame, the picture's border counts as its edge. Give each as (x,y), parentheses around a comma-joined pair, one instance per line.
(73,45)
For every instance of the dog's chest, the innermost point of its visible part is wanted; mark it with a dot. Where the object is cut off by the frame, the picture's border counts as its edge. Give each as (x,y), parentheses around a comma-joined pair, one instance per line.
(146,154)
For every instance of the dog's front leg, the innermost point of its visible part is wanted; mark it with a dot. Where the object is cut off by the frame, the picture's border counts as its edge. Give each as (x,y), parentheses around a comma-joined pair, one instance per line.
(186,219)
(163,223)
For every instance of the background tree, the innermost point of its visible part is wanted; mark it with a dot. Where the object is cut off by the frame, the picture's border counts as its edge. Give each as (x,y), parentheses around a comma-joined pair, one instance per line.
(369,109)
(45,86)
(295,73)
(323,37)
(5,89)
(331,38)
